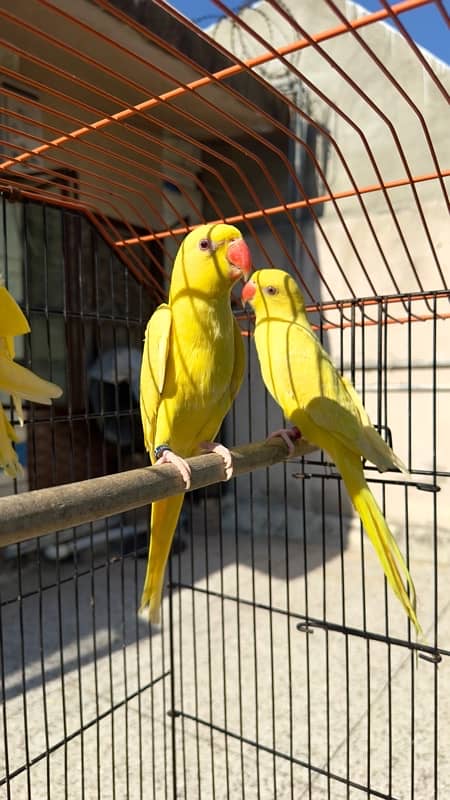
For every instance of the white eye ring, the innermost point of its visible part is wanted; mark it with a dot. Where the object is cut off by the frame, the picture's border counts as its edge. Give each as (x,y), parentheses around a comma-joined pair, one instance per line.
(271,290)
(204,245)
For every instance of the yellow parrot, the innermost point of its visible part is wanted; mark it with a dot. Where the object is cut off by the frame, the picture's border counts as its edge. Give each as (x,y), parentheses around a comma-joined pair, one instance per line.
(325,408)
(19,382)
(192,368)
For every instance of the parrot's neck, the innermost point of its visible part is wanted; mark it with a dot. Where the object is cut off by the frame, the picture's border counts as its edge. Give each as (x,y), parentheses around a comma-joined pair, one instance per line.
(300,319)
(194,313)
(183,295)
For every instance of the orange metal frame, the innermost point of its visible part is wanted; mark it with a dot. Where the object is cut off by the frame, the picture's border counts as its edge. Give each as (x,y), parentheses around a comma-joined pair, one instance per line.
(125,194)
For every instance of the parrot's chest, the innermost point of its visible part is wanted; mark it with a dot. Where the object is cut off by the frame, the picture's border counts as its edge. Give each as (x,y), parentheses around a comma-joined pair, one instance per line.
(203,362)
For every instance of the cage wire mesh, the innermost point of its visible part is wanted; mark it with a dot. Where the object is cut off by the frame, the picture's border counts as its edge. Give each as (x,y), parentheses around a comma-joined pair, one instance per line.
(283,667)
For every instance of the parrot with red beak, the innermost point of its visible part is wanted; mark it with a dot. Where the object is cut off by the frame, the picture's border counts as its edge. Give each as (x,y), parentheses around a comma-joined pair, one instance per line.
(192,368)
(325,409)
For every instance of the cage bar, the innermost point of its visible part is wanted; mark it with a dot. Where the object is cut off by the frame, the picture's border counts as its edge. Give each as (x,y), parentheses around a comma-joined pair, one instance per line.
(283,666)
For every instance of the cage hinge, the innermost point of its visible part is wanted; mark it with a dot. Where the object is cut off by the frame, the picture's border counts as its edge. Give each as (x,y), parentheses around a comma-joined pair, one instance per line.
(304,627)
(428,487)
(435,658)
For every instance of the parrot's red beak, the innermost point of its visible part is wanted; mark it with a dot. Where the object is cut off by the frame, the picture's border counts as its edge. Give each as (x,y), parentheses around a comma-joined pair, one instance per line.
(248,292)
(239,258)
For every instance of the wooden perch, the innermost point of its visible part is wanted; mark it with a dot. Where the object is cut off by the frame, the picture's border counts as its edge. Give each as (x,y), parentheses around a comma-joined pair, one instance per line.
(36,513)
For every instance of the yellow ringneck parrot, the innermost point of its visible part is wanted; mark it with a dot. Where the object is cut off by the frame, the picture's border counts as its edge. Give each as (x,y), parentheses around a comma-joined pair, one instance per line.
(192,368)
(326,408)
(19,382)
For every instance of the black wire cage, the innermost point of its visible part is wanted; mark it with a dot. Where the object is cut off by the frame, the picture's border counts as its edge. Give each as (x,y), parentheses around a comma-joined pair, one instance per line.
(284,667)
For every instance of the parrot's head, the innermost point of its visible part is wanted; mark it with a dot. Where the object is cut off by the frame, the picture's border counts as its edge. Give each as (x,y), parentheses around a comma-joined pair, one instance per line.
(210,260)
(273,293)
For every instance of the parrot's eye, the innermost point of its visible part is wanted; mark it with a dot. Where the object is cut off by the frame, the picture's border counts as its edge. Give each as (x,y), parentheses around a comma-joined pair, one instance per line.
(204,244)
(271,290)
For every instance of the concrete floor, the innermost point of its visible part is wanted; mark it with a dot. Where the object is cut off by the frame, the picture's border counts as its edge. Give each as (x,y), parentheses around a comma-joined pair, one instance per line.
(366,713)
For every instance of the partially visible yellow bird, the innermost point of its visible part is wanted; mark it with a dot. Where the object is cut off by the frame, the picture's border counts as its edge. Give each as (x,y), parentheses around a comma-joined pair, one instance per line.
(326,408)
(19,382)
(192,367)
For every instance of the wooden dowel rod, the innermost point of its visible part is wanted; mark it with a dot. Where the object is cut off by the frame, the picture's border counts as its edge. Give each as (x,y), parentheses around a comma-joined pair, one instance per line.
(24,516)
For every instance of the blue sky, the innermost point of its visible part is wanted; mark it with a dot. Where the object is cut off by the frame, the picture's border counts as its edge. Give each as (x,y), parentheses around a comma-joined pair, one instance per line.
(425,24)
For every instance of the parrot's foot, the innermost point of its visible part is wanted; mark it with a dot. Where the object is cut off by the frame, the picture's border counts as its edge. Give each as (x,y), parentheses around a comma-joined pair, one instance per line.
(221,450)
(289,436)
(169,457)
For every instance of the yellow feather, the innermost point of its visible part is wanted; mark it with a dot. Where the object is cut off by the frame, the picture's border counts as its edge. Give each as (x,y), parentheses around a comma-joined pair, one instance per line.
(192,367)
(19,382)
(327,409)
(8,456)
(386,548)
(164,518)
(12,319)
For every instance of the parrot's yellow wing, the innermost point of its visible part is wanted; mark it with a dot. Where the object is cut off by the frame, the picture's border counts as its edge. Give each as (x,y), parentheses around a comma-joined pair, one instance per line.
(314,385)
(12,319)
(153,370)
(382,456)
(335,405)
(19,382)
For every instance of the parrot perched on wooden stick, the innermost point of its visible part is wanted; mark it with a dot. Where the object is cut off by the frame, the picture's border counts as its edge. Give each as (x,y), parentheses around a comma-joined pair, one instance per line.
(19,382)
(192,367)
(325,408)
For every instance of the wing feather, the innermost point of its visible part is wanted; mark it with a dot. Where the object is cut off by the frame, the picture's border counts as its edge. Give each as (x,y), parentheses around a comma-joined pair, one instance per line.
(335,406)
(153,370)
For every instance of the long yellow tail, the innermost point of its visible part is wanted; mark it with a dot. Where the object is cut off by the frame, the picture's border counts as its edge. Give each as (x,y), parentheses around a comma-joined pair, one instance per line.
(164,518)
(392,561)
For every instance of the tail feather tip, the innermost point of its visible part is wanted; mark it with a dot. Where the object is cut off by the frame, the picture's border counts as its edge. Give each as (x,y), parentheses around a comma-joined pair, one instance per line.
(149,613)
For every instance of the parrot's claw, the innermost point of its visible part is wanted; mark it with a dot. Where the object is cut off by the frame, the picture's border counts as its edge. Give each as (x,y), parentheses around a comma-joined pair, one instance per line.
(221,450)
(289,436)
(169,457)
